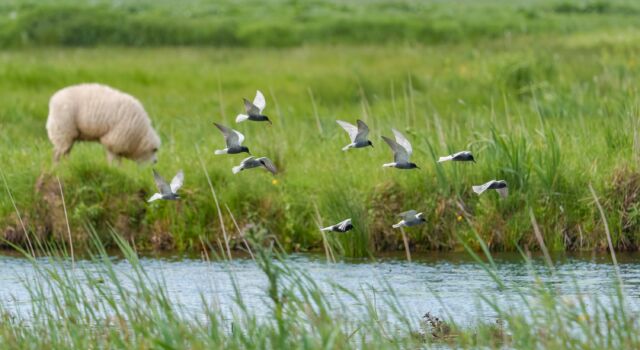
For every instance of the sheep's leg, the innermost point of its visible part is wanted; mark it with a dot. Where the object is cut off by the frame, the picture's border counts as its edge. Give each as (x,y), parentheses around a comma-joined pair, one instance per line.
(113,158)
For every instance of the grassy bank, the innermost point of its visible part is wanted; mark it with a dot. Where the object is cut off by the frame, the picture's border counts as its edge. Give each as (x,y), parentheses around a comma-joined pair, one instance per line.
(550,115)
(285,23)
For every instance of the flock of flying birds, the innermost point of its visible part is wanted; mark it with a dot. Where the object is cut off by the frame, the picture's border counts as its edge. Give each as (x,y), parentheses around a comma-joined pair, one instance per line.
(358,136)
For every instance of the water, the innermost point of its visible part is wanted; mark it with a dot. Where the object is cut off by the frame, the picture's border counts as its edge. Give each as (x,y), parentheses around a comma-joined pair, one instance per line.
(442,284)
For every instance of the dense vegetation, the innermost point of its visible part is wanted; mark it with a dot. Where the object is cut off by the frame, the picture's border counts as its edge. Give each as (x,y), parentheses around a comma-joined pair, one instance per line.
(281,23)
(550,110)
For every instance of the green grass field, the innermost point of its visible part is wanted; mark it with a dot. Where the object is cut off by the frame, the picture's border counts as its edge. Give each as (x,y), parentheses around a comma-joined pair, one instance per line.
(550,110)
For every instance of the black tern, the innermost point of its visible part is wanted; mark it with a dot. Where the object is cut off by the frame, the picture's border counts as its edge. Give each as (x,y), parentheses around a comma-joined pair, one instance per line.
(233,139)
(357,134)
(401,151)
(252,162)
(254,110)
(342,226)
(499,185)
(167,192)
(464,156)
(410,218)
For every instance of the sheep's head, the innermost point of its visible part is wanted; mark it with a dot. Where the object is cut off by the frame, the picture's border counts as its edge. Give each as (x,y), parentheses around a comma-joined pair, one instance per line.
(148,148)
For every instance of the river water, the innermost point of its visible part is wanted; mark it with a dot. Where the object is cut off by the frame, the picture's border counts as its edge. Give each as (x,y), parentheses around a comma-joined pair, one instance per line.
(446,285)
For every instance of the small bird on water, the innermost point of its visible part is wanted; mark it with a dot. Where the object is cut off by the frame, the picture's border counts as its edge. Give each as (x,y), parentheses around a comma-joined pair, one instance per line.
(233,139)
(357,134)
(167,192)
(499,185)
(253,162)
(342,226)
(401,151)
(463,156)
(254,110)
(410,218)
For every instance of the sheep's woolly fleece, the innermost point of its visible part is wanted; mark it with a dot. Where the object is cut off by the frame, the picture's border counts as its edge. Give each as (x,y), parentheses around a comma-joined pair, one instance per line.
(95,112)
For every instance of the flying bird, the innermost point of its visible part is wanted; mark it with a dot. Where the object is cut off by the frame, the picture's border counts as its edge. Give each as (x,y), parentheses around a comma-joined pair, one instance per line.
(401,151)
(342,226)
(499,185)
(254,110)
(233,139)
(463,156)
(357,134)
(167,192)
(410,218)
(252,162)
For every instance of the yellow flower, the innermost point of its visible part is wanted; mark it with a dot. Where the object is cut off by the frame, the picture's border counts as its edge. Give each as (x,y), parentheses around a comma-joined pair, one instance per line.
(274,181)
(459,217)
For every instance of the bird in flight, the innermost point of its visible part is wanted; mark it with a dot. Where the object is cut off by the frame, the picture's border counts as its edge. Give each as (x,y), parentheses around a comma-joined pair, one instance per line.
(254,109)
(233,139)
(357,134)
(253,162)
(499,185)
(401,151)
(342,226)
(167,191)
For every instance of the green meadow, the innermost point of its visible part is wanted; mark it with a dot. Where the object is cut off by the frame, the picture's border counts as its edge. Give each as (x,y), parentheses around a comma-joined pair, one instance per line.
(544,93)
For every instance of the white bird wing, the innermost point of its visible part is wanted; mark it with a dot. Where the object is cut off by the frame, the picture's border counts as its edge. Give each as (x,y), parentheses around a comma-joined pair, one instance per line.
(351,129)
(503,192)
(481,188)
(363,132)
(409,214)
(402,141)
(232,137)
(240,137)
(268,164)
(177,181)
(155,197)
(161,183)
(343,224)
(400,154)
(259,101)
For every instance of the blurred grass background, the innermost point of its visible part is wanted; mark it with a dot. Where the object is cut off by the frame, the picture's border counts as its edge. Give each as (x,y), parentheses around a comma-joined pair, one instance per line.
(543,92)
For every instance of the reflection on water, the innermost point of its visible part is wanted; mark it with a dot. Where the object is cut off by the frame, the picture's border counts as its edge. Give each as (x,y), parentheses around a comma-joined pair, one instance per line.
(443,284)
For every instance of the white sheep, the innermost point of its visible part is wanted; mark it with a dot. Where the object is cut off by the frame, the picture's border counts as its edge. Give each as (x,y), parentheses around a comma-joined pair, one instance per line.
(95,112)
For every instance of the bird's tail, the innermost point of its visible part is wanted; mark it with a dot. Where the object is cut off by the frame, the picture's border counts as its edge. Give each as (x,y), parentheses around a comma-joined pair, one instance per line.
(346,147)
(478,189)
(388,165)
(155,197)
(221,151)
(397,225)
(444,159)
(241,117)
(236,169)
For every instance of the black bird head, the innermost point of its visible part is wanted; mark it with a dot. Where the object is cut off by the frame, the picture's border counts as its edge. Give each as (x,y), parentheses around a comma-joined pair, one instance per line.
(370,143)
(471,158)
(267,119)
(244,149)
(413,166)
